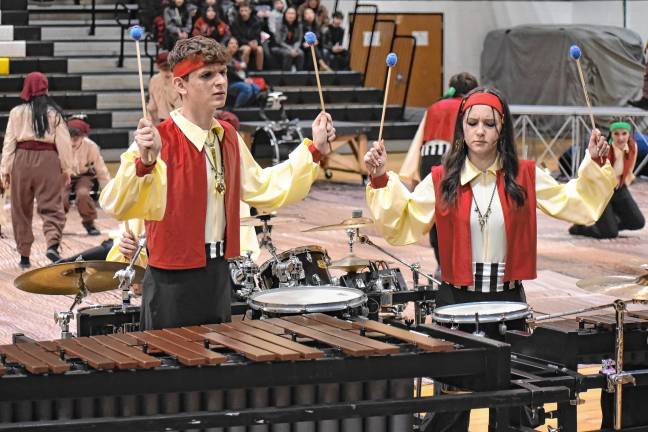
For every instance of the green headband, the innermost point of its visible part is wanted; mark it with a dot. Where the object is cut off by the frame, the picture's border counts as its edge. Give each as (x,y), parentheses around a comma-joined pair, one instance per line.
(620,125)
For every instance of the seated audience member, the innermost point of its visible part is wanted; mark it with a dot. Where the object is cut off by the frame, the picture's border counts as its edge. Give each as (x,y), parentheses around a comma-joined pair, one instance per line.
(247,31)
(163,98)
(276,16)
(210,25)
(309,24)
(320,11)
(288,40)
(88,165)
(177,22)
(240,87)
(332,42)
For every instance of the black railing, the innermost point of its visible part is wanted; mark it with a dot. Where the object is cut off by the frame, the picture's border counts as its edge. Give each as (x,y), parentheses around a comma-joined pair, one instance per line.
(124,26)
(352,21)
(409,69)
(149,37)
(93,18)
(373,31)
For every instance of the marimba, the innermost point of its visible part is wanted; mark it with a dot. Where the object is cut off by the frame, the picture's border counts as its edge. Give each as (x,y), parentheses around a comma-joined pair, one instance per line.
(295,373)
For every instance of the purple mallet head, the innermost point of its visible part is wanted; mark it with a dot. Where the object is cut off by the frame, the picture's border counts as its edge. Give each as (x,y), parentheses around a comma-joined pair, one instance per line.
(391,59)
(136,32)
(310,38)
(575,52)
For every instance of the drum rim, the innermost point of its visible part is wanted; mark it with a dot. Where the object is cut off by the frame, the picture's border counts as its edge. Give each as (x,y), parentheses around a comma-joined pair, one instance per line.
(439,316)
(108,307)
(307,308)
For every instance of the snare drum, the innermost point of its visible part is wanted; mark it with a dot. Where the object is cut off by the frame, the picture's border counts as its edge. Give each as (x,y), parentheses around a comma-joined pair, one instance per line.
(109,319)
(330,299)
(315,261)
(492,318)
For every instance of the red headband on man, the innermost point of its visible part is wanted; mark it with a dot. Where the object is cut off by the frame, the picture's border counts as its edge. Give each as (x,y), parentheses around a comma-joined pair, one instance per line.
(188,65)
(488,99)
(79,124)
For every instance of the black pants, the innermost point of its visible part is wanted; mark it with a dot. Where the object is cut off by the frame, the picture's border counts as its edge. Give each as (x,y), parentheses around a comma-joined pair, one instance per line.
(176,298)
(621,213)
(447,295)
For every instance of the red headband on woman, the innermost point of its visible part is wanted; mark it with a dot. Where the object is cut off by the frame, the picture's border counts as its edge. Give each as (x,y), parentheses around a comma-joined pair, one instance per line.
(188,65)
(488,99)
(35,85)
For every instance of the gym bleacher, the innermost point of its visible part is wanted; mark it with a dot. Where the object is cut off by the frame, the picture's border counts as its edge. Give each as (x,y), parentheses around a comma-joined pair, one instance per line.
(53,37)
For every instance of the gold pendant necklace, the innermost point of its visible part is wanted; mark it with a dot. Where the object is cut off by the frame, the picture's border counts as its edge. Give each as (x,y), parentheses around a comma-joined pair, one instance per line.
(219,176)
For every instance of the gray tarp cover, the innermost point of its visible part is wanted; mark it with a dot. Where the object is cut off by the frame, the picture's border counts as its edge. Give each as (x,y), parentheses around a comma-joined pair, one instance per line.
(530,64)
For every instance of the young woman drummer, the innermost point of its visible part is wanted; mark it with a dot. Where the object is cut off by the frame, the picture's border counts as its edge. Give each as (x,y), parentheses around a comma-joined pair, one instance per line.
(483,201)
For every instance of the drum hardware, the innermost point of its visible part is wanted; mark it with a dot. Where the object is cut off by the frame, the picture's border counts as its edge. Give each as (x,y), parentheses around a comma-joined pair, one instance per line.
(290,272)
(245,272)
(419,306)
(127,275)
(304,265)
(79,278)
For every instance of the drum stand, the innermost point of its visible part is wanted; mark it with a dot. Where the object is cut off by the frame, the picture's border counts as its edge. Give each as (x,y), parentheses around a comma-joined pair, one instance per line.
(416,272)
(63,318)
(127,274)
(288,272)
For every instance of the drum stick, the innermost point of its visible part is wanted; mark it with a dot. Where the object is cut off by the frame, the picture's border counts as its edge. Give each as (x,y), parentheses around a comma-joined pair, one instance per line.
(575,53)
(311,40)
(391,61)
(136,32)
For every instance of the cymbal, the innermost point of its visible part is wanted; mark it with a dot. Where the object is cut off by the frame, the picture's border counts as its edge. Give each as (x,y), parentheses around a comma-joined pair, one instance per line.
(623,287)
(271,218)
(63,279)
(350,263)
(351,223)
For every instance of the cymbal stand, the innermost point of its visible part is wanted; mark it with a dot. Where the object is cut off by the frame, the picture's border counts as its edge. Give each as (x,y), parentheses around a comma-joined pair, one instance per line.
(63,318)
(126,275)
(416,272)
(266,241)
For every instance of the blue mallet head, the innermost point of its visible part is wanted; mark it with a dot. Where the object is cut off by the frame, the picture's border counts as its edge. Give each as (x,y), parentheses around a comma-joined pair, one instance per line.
(391,59)
(310,38)
(136,32)
(575,52)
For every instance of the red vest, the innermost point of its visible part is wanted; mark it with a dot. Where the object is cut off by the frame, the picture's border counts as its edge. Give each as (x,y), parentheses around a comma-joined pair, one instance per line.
(628,161)
(178,240)
(453,228)
(440,120)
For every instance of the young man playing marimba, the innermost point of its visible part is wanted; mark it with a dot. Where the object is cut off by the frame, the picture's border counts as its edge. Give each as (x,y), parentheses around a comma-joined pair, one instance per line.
(185,177)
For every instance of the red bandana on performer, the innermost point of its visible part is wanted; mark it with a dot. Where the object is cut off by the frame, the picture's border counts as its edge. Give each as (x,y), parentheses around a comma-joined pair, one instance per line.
(35,85)
(482,98)
(188,65)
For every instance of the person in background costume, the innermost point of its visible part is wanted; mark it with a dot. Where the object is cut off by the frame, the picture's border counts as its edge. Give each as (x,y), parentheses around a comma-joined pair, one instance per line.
(37,163)
(622,213)
(88,166)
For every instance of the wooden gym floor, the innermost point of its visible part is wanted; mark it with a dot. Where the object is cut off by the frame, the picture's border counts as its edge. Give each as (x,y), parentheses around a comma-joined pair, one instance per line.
(562,260)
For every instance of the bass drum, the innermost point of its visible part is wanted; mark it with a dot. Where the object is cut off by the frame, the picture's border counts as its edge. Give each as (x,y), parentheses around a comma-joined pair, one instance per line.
(315,261)
(329,299)
(490,319)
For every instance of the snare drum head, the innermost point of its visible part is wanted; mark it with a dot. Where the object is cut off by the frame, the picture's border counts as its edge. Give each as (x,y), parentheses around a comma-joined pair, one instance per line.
(303,299)
(464,313)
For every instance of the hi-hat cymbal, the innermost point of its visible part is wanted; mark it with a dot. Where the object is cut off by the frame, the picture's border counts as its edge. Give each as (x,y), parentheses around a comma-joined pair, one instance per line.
(351,223)
(271,218)
(623,287)
(63,279)
(350,263)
